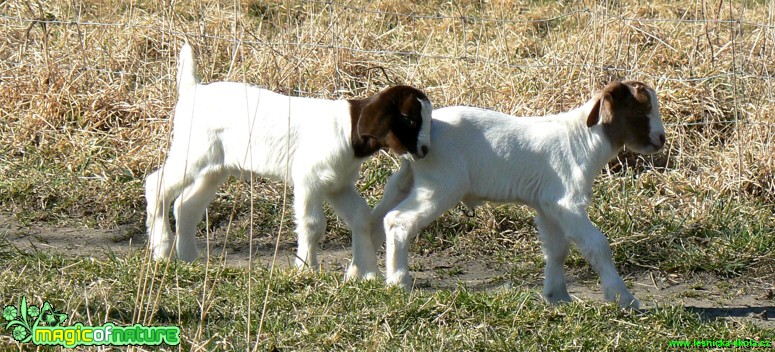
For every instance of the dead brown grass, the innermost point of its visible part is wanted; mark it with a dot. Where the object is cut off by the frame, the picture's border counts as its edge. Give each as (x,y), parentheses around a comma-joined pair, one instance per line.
(86,87)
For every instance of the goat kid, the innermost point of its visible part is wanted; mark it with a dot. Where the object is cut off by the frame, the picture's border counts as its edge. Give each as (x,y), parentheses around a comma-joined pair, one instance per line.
(233,129)
(547,163)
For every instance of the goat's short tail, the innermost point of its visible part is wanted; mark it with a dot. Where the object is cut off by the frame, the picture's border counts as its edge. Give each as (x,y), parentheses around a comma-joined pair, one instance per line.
(187,78)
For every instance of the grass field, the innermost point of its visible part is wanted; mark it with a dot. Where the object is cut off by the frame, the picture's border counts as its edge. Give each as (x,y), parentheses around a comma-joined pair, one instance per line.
(86,91)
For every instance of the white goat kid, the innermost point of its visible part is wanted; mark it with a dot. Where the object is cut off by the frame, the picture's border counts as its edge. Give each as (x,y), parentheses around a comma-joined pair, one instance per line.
(548,163)
(228,128)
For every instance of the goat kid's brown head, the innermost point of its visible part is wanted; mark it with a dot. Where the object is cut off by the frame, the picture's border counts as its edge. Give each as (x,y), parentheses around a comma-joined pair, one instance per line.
(629,114)
(398,118)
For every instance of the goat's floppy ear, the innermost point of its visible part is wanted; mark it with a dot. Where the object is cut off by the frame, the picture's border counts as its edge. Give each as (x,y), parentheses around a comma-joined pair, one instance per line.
(409,102)
(373,121)
(600,109)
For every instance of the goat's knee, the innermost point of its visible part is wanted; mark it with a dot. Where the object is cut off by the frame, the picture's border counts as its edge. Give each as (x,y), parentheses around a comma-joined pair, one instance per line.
(152,196)
(396,190)
(160,237)
(594,246)
(185,222)
(377,232)
(151,185)
(420,208)
(400,229)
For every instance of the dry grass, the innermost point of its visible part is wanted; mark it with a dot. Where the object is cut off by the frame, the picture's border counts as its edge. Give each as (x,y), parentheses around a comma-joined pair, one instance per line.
(86,90)
(87,94)
(87,87)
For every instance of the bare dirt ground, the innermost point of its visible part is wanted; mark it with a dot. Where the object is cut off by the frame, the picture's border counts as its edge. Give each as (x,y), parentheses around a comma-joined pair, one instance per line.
(737,299)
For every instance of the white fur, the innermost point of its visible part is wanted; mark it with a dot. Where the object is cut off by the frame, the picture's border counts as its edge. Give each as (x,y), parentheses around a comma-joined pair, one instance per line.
(227,128)
(424,136)
(548,163)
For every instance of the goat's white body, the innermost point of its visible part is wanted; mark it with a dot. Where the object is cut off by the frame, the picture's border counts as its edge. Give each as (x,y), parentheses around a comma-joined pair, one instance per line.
(246,128)
(530,160)
(227,128)
(548,163)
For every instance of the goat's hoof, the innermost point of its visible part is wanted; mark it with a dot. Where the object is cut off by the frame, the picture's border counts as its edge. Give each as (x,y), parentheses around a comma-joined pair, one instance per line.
(623,298)
(303,266)
(354,273)
(162,252)
(630,303)
(555,298)
(401,279)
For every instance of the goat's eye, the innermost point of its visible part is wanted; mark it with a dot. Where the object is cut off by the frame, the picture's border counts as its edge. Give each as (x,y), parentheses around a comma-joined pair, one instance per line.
(408,120)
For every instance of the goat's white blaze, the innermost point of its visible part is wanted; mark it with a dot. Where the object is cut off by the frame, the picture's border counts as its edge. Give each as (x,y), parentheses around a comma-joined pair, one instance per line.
(424,136)
(657,129)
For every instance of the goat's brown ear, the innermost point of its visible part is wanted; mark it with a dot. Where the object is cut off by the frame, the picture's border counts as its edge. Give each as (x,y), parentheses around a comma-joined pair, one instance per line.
(594,115)
(599,110)
(373,121)
(408,104)
(640,88)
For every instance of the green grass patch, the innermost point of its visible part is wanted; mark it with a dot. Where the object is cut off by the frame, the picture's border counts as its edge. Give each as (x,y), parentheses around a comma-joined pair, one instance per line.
(84,117)
(321,311)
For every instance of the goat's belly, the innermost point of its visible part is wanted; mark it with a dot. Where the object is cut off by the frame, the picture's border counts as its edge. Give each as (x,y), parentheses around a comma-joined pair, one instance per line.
(246,175)
(473,202)
(525,193)
(500,199)
(259,162)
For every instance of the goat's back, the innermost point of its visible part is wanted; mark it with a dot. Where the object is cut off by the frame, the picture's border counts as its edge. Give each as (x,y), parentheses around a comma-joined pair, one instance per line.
(498,157)
(260,130)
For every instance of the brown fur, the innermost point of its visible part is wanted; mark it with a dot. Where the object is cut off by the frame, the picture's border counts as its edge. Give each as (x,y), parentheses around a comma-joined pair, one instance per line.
(623,109)
(391,119)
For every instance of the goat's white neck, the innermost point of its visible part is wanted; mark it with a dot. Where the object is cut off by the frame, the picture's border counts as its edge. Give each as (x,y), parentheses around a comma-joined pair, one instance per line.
(593,146)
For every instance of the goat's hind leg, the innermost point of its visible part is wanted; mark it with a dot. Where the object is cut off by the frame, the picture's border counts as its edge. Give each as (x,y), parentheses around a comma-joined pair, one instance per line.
(189,209)
(161,187)
(310,225)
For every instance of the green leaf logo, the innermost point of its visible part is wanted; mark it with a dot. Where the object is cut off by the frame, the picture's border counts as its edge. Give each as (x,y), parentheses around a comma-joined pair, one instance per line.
(9,313)
(23,319)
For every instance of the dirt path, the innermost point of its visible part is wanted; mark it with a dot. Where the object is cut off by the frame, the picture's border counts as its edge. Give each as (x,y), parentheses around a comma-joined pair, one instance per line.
(738,299)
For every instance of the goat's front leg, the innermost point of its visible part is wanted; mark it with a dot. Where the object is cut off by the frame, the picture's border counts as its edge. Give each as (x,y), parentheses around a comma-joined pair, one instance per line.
(420,208)
(354,211)
(594,247)
(396,190)
(310,225)
(556,248)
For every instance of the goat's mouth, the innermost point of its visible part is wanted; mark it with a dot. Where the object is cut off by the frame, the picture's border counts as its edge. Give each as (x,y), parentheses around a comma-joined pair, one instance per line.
(645,149)
(658,145)
(410,156)
(650,148)
(421,152)
(650,145)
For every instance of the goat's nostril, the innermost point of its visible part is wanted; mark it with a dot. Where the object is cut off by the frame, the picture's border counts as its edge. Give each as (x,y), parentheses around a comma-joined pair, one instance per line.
(662,139)
(424,150)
